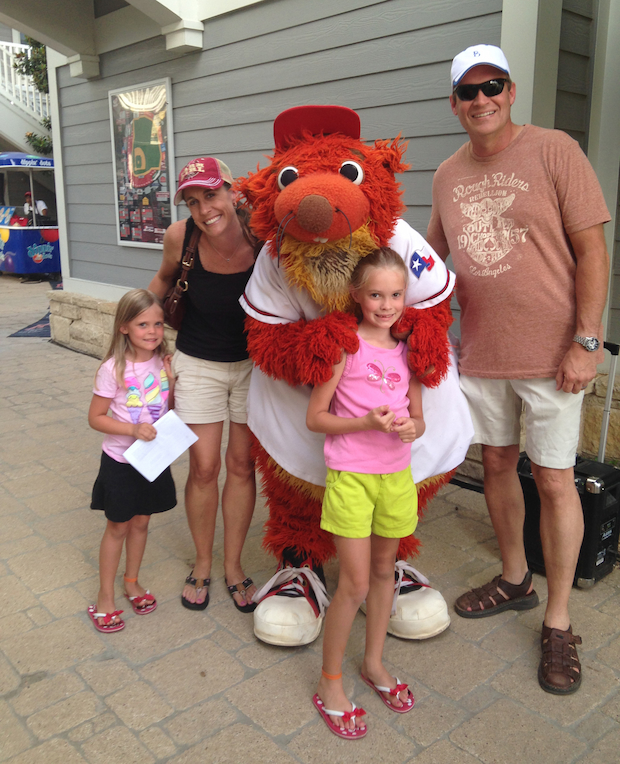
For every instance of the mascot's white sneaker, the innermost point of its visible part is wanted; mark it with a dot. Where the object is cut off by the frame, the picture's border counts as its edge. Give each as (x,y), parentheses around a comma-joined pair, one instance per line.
(291,607)
(418,610)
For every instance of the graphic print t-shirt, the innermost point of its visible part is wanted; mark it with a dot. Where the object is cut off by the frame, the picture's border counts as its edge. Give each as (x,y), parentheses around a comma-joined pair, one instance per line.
(506,220)
(144,400)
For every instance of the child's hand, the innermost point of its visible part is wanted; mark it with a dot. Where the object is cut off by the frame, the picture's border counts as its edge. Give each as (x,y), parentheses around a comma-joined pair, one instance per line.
(144,431)
(167,360)
(406,429)
(380,419)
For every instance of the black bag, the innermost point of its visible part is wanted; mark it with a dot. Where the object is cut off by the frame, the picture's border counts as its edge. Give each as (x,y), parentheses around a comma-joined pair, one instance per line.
(598,485)
(174,299)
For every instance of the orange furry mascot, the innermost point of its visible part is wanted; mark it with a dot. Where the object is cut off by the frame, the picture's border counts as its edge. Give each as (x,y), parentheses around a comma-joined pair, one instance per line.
(325,200)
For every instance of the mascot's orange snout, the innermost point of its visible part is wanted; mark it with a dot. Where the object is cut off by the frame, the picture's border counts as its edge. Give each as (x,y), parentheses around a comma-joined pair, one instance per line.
(320,207)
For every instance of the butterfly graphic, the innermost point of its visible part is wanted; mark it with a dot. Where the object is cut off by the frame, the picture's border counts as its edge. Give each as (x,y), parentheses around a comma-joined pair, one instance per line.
(382,375)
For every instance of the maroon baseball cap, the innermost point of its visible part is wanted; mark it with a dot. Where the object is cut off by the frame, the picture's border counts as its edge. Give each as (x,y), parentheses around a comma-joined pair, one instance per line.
(28,193)
(317,120)
(207,172)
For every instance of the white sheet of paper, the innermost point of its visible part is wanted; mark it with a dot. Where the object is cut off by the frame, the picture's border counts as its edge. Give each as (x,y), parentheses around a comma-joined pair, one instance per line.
(151,457)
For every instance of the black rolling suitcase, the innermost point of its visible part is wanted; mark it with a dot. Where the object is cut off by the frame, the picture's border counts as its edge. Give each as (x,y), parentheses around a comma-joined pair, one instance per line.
(598,485)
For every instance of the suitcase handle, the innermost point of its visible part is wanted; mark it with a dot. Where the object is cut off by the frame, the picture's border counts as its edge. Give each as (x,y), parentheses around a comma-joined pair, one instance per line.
(614,350)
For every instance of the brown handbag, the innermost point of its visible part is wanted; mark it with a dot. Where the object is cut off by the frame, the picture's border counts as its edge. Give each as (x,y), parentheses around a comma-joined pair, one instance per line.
(174,300)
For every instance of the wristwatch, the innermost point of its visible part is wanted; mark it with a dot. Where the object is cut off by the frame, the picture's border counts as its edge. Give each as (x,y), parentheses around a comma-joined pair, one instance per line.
(589,343)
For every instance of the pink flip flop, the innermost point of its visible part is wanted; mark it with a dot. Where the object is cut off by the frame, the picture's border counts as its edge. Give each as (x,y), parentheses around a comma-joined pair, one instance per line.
(108,625)
(407,705)
(356,734)
(150,603)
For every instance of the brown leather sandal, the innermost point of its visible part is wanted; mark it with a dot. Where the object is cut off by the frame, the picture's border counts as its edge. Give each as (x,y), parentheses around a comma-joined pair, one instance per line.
(559,671)
(488,600)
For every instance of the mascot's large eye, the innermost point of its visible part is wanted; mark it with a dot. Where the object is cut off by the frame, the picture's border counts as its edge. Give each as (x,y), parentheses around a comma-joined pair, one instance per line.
(287,176)
(353,171)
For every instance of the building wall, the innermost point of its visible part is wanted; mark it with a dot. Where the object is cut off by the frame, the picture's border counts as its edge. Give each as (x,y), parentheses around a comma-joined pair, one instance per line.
(574,91)
(388,60)
(6,33)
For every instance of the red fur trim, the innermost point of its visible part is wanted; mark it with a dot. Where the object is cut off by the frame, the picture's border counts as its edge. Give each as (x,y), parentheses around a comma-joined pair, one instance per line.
(427,490)
(408,547)
(294,518)
(304,352)
(429,348)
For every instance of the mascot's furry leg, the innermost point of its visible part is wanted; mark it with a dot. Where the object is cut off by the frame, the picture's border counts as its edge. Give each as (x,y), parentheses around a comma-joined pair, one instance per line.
(292,603)
(293,535)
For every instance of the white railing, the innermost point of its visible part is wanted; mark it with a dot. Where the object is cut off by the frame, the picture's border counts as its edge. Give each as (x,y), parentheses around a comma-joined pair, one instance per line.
(19,89)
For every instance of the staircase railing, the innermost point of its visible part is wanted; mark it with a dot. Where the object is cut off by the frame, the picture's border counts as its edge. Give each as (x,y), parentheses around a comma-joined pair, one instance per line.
(18,88)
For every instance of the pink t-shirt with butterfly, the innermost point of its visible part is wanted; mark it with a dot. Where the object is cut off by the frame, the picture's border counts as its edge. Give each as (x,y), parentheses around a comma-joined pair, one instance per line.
(371,377)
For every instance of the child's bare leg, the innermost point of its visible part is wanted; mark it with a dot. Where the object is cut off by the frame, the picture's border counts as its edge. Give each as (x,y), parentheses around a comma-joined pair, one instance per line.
(378,609)
(354,560)
(109,557)
(134,551)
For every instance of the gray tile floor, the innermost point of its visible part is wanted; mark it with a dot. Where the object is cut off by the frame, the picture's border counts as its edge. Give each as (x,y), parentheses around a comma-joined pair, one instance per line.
(184,687)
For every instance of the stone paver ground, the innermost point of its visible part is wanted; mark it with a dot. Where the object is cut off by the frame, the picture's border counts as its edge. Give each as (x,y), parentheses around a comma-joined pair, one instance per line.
(184,687)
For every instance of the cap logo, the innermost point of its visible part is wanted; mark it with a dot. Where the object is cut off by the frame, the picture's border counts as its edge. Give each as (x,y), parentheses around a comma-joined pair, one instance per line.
(191,170)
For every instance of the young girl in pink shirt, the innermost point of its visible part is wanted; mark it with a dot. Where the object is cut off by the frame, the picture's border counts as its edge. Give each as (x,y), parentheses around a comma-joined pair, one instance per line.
(135,384)
(371,411)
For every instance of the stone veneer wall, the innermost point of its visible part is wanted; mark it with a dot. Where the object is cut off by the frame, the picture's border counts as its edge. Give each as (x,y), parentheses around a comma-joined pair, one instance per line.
(85,323)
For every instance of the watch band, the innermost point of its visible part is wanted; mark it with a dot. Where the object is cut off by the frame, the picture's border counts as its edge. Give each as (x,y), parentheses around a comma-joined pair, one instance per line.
(589,343)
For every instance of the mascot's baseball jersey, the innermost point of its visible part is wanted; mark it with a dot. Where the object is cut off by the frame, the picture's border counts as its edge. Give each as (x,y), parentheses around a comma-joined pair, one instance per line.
(277,411)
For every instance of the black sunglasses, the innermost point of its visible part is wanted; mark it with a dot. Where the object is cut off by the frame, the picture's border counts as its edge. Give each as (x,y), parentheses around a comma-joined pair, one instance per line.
(490,88)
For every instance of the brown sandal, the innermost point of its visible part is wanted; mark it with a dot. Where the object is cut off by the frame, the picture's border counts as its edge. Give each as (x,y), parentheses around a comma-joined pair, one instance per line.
(488,600)
(559,671)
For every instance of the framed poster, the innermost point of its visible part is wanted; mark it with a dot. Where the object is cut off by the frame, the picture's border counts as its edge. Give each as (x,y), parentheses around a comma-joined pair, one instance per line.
(143,162)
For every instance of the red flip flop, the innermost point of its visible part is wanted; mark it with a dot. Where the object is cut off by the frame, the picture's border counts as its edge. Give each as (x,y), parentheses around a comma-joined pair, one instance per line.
(142,604)
(108,625)
(356,734)
(407,705)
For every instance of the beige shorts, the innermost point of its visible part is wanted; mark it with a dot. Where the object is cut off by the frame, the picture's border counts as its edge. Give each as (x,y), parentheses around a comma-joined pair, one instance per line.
(551,417)
(209,391)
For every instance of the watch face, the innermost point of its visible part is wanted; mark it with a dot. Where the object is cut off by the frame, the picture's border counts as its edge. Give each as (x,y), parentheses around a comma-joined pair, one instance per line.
(591,343)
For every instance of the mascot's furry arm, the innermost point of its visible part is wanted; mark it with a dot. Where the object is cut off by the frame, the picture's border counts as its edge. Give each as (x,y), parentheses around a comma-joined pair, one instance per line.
(425,333)
(303,352)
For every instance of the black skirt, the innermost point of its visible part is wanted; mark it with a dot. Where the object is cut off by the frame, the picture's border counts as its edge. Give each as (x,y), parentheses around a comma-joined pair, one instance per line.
(122,492)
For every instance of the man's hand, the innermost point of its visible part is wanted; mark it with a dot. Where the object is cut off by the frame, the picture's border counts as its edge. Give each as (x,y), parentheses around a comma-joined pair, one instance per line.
(578,368)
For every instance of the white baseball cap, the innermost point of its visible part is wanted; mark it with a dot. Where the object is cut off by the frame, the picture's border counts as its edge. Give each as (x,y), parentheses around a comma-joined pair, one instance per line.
(477,55)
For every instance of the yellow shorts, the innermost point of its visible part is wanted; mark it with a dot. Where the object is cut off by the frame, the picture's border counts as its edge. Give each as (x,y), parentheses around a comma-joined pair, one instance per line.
(356,505)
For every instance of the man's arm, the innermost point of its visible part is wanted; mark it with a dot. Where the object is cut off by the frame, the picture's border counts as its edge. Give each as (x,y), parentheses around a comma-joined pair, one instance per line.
(435,234)
(436,237)
(578,366)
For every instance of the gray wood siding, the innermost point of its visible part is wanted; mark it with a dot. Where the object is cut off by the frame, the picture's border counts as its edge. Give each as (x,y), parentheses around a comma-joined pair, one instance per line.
(577,36)
(387,59)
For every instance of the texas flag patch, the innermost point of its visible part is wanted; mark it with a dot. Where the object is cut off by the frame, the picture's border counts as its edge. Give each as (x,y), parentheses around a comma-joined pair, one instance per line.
(419,264)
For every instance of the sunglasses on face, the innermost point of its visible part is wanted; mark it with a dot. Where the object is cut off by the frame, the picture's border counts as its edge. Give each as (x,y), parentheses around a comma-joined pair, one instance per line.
(490,88)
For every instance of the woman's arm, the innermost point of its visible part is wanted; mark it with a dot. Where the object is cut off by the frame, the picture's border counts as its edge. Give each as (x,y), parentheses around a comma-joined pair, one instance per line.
(319,418)
(99,420)
(173,251)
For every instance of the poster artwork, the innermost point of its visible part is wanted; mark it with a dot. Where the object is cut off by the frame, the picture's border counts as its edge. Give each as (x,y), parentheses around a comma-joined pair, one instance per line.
(142,130)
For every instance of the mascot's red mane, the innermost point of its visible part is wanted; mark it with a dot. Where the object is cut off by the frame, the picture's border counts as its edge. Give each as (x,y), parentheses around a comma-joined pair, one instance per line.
(325,154)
